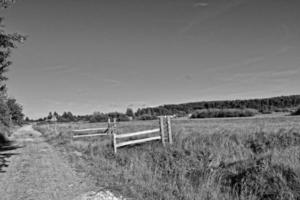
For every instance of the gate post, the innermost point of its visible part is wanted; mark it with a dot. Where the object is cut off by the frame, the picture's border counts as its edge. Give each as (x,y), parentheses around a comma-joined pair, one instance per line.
(114,139)
(169,130)
(108,126)
(162,130)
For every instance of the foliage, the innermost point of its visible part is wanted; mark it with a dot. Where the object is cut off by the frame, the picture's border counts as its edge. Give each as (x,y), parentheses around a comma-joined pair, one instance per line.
(102,117)
(266,105)
(129,112)
(4,113)
(98,117)
(6,3)
(50,115)
(119,116)
(219,113)
(15,111)
(297,112)
(147,117)
(66,117)
(95,117)
(7,42)
(10,111)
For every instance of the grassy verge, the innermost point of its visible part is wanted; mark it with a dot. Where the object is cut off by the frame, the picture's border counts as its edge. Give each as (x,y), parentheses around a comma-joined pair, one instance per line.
(223,164)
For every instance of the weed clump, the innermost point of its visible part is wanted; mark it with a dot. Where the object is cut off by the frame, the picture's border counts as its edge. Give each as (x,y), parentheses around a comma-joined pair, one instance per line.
(258,179)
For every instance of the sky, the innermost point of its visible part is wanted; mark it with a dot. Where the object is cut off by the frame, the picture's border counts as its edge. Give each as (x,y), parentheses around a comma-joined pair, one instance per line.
(106,55)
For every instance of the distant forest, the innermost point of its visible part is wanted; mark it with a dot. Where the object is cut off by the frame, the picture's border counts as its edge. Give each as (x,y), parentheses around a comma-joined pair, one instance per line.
(266,105)
(234,108)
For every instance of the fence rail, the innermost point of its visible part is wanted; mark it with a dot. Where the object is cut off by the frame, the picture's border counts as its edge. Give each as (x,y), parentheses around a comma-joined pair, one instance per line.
(161,135)
(164,123)
(89,135)
(87,132)
(138,133)
(138,141)
(89,129)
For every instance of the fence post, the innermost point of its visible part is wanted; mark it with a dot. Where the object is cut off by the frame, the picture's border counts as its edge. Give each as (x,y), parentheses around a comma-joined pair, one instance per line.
(162,131)
(108,126)
(114,135)
(169,130)
(115,123)
(114,142)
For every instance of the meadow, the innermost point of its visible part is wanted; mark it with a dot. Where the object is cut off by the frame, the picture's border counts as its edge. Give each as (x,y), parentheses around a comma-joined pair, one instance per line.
(226,158)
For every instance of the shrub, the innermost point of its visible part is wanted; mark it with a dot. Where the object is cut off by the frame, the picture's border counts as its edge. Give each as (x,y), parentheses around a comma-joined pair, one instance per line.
(220,113)
(258,179)
(4,113)
(16,113)
(4,131)
(297,112)
(98,117)
(147,117)
(118,116)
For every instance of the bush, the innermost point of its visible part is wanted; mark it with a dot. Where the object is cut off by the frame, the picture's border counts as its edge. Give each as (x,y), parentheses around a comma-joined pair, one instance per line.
(98,117)
(147,117)
(118,116)
(258,179)
(220,113)
(16,111)
(102,117)
(297,112)
(4,132)
(4,113)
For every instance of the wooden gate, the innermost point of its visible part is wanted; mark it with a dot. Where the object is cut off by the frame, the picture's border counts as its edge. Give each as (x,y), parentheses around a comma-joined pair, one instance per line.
(163,133)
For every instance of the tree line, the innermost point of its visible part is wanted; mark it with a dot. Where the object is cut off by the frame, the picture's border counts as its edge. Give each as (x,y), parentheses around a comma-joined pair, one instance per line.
(10,109)
(128,115)
(265,105)
(95,117)
(234,108)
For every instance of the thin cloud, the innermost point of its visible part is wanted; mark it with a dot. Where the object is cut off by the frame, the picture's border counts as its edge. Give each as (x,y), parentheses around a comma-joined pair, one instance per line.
(112,81)
(59,68)
(279,75)
(81,92)
(138,104)
(200,4)
(243,63)
(219,8)
(188,77)
(282,73)
(254,60)
(283,50)
(92,75)
(56,67)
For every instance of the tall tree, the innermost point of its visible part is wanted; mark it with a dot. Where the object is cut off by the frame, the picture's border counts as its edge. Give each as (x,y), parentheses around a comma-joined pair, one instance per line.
(129,112)
(50,115)
(15,111)
(7,43)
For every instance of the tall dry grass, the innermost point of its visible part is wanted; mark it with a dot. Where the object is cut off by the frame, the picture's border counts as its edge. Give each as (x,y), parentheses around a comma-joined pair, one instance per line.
(209,160)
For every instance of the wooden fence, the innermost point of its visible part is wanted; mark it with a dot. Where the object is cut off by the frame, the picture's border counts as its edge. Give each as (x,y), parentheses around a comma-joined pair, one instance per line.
(92,132)
(160,135)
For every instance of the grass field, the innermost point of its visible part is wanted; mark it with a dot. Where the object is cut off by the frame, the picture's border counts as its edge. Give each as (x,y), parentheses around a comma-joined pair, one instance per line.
(237,158)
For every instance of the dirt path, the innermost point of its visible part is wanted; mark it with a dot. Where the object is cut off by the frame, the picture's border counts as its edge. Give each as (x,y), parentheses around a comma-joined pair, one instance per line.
(37,172)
